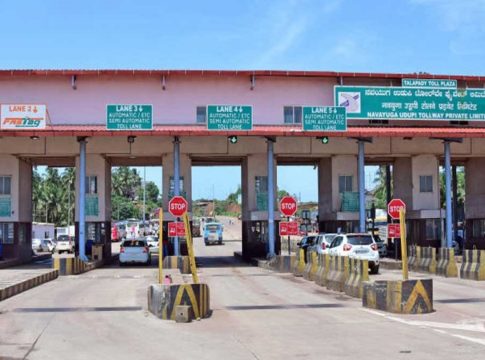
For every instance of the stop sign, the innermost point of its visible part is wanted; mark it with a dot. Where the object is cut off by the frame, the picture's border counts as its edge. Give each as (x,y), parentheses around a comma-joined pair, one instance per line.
(177,206)
(288,206)
(394,206)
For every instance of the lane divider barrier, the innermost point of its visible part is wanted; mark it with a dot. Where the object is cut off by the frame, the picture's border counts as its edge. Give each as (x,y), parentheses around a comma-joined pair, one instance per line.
(428,260)
(177,262)
(358,274)
(73,265)
(473,265)
(311,266)
(17,288)
(399,296)
(323,269)
(300,265)
(339,273)
(447,263)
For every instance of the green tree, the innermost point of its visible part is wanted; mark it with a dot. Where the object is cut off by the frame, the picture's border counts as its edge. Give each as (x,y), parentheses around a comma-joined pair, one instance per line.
(125,182)
(380,191)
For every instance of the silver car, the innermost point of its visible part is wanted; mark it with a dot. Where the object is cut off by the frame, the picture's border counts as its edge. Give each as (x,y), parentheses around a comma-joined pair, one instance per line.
(322,243)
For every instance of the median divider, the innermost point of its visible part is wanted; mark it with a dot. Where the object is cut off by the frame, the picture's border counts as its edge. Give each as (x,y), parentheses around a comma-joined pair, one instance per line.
(300,264)
(447,264)
(411,257)
(73,265)
(10,289)
(399,296)
(339,273)
(323,269)
(311,266)
(165,300)
(177,262)
(473,265)
(428,260)
(358,274)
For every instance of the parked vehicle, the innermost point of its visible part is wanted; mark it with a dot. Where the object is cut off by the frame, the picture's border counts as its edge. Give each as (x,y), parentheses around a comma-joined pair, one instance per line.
(64,244)
(306,242)
(359,246)
(48,245)
(213,233)
(36,244)
(152,243)
(322,243)
(134,251)
(381,246)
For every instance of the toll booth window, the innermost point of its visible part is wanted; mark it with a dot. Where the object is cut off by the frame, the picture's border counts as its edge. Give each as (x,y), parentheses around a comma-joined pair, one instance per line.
(6,233)
(433,229)
(426,183)
(345,183)
(261,189)
(292,114)
(91,185)
(5,185)
(201,114)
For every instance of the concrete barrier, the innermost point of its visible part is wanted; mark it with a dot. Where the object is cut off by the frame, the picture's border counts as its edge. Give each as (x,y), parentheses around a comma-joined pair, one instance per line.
(300,265)
(164,299)
(323,269)
(473,265)
(73,265)
(24,285)
(418,253)
(311,266)
(399,296)
(339,273)
(177,262)
(411,256)
(428,260)
(446,264)
(358,274)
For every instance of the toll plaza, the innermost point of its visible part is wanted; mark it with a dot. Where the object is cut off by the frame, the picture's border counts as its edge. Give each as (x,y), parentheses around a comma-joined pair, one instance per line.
(257,121)
(94,120)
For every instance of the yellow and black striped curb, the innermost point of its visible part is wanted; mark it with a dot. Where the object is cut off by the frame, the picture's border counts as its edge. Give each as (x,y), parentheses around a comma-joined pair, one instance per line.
(412,257)
(358,274)
(24,285)
(177,262)
(399,296)
(322,270)
(339,273)
(447,264)
(473,265)
(427,262)
(311,266)
(73,265)
(299,268)
(163,300)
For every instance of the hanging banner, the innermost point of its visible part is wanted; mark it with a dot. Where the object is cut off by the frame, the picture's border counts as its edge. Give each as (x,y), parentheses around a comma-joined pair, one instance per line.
(23,116)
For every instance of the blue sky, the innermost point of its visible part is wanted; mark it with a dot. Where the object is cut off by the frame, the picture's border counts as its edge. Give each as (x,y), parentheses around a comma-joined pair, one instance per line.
(435,36)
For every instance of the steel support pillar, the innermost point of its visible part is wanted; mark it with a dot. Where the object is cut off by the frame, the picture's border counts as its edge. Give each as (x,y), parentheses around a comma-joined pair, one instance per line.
(449,218)
(82,199)
(271,230)
(361,172)
(176,184)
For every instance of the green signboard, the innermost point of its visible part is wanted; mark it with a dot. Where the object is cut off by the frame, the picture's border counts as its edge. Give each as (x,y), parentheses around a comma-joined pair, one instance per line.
(129,117)
(5,206)
(324,118)
(229,117)
(91,207)
(430,83)
(400,103)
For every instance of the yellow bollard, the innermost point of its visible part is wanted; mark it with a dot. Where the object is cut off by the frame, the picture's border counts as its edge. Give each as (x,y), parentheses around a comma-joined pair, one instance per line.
(188,237)
(404,247)
(160,247)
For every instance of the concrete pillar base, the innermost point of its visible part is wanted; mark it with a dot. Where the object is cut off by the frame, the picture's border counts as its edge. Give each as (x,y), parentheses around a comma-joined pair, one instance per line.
(255,239)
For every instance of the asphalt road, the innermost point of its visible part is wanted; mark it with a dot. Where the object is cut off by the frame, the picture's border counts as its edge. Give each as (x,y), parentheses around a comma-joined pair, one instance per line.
(257,314)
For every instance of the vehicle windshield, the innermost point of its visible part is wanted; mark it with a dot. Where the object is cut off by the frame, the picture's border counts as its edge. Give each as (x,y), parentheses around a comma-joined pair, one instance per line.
(329,238)
(134,243)
(63,238)
(213,227)
(360,239)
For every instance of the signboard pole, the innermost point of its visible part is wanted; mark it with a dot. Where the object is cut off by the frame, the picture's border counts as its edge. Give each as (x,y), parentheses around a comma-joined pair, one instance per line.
(176,184)
(361,170)
(160,246)
(271,237)
(82,199)
(188,237)
(289,241)
(404,248)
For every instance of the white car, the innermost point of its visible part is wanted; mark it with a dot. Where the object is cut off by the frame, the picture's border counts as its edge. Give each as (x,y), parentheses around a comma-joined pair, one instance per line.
(64,244)
(322,243)
(152,243)
(134,251)
(48,245)
(36,244)
(358,246)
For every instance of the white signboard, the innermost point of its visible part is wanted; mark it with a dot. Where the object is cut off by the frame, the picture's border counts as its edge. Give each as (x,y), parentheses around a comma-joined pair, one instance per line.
(23,116)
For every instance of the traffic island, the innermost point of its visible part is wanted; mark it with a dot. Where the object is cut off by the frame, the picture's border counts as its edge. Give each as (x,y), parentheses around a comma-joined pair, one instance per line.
(73,265)
(170,302)
(399,296)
